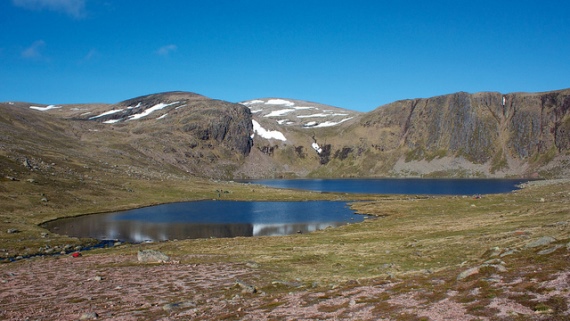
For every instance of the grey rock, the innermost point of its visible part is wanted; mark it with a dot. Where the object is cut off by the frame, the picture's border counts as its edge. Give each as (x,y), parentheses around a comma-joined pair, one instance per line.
(293,284)
(26,163)
(89,316)
(169,307)
(549,250)
(497,267)
(152,256)
(494,251)
(493,280)
(467,273)
(545,240)
(507,253)
(246,288)
(251,264)
(494,261)
(12,231)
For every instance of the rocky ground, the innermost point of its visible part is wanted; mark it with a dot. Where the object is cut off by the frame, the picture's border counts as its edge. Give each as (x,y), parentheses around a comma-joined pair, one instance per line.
(530,283)
(501,257)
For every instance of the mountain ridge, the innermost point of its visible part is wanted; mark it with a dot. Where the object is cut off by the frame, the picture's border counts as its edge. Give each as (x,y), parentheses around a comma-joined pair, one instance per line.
(486,134)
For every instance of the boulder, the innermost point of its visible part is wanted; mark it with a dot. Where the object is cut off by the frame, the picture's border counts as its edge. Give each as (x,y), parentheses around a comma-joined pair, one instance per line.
(246,288)
(170,307)
(152,256)
(549,250)
(89,316)
(545,240)
(467,273)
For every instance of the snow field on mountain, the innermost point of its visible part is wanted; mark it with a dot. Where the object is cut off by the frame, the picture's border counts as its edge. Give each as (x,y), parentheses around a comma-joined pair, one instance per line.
(267,134)
(45,108)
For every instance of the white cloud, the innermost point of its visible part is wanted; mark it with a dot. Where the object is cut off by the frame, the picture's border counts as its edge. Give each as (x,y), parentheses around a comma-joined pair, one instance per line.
(34,50)
(73,8)
(166,50)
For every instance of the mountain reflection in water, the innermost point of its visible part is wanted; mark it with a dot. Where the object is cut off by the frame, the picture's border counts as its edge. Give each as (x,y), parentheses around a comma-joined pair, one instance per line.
(207,219)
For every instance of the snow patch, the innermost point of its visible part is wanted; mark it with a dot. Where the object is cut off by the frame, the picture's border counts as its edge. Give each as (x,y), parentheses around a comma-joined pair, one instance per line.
(137,106)
(111,121)
(161,117)
(321,115)
(304,107)
(114,111)
(252,102)
(45,108)
(317,148)
(278,113)
(267,134)
(150,110)
(255,111)
(332,123)
(280,102)
(310,124)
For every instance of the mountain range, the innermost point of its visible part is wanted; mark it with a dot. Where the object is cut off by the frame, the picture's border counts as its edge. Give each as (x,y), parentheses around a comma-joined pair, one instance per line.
(180,134)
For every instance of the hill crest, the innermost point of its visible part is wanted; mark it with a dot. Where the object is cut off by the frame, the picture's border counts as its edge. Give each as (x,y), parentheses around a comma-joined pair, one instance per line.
(486,134)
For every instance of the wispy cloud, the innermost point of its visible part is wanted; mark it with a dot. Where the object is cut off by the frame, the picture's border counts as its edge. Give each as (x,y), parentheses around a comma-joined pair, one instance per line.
(34,50)
(73,8)
(91,55)
(166,50)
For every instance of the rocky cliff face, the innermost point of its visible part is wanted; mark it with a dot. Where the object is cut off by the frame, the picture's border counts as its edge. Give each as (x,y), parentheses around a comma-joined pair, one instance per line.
(458,135)
(205,121)
(159,133)
(200,135)
(489,132)
(485,134)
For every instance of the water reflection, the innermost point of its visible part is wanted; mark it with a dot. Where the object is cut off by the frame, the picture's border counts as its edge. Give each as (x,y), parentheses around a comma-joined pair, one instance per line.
(208,219)
(443,186)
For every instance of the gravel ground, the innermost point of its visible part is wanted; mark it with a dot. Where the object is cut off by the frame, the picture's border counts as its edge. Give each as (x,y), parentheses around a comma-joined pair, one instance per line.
(117,287)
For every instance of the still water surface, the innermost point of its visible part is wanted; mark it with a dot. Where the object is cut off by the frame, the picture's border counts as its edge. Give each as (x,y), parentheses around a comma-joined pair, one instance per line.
(206,219)
(412,186)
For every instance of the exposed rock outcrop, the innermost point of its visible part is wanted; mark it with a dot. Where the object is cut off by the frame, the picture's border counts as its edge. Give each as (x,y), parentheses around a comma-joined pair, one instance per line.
(489,132)
(486,134)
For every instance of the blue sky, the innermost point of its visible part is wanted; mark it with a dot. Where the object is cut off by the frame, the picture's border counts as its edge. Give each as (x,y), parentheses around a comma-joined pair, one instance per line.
(353,54)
